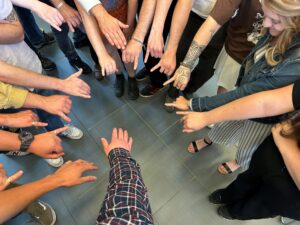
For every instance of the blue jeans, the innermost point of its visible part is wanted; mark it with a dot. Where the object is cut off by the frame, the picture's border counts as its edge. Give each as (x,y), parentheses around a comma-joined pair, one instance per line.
(31,29)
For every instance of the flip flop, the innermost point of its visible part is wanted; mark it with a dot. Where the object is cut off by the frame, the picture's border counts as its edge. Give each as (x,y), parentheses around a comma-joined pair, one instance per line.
(227,168)
(196,149)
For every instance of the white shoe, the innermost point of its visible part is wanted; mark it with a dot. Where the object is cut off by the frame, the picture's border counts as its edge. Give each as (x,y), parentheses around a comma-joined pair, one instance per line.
(55,162)
(285,220)
(17,153)
(210,126)
(73,132)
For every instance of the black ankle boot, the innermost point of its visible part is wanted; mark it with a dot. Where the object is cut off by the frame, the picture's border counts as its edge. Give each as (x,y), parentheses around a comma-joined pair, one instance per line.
(119,85)
(133,90)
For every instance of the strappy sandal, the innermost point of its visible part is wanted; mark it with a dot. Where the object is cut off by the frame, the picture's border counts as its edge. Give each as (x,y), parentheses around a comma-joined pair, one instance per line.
(227,168)
(196,149)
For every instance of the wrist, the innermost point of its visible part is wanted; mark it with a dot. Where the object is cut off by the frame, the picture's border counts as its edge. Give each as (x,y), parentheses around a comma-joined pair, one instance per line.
(60,4)
(98,11)
(53,181)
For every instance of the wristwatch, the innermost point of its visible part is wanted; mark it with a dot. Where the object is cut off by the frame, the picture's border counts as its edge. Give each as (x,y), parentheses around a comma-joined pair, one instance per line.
(26,139)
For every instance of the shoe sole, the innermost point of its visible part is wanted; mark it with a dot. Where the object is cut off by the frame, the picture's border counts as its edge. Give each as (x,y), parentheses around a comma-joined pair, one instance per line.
(149,96)
(52,212)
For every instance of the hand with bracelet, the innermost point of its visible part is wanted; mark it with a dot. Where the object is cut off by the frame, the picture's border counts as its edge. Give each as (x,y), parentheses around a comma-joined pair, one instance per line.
(182,75)
(132,52)
(70,15)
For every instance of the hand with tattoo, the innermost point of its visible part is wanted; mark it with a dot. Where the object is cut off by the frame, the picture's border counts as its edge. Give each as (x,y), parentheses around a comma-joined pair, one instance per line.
(182,75)
(181,78)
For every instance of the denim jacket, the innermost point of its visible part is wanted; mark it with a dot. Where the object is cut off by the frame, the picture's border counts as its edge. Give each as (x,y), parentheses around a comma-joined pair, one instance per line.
(256,77)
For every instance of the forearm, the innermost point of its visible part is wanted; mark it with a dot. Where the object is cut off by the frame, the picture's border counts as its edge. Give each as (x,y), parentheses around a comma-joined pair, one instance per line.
(127,198)
(259,105)
(35,101)
(290,153)
(160,15)
(11,33)
(145,19)
(200,41)
(10,205)
(179,21)
(28,4)
(18,76)
(9,141)
(92,29)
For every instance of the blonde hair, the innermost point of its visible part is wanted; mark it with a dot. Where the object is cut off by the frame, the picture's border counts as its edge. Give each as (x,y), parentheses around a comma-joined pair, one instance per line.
(289,14)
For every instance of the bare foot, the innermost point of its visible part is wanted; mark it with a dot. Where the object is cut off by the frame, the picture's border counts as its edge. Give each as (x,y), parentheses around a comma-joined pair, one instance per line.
(228,167)
(198,145)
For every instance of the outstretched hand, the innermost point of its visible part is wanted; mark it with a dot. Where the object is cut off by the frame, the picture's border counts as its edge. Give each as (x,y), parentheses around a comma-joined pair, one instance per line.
(73,85)
(70,174)
(119,139)
(5,180)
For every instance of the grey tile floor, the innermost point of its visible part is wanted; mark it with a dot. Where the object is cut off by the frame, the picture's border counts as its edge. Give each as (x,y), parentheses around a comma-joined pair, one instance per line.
(178,182)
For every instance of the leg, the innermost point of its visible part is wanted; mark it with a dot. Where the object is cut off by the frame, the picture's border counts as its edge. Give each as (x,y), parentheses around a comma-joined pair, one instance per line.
(252,135)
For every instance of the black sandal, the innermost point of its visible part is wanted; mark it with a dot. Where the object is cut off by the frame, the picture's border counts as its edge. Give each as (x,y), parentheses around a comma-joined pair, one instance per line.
(195,145)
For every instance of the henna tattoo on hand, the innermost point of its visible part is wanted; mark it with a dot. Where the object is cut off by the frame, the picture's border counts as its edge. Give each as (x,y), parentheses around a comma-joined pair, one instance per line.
(12,17)
(183,75)
(194,52)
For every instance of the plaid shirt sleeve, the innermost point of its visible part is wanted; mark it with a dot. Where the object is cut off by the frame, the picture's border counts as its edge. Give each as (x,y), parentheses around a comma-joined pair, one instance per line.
(126,201)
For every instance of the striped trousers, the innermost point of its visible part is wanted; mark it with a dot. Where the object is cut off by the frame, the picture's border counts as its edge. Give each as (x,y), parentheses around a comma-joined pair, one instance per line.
(246,134)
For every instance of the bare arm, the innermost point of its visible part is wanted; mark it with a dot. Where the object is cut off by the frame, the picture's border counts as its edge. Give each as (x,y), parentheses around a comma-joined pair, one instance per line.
(22,77)
(262,104)
(44,11)
(199,43)
(132,52)
(107,64)
(11,29)
(70,174)
(290,152)
(180,17)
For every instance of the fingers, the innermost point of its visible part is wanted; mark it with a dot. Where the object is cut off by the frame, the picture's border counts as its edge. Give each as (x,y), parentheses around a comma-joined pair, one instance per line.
(130,143)
(71,29)
(147,55)
(136,62)
(104,143)
(55,155)
(183,112)
(87,179)
(59,130)
(120,134)
(39,124)
(155,67)
(65,117)
(169,81)
(13,177)
(114,135)
(78,73)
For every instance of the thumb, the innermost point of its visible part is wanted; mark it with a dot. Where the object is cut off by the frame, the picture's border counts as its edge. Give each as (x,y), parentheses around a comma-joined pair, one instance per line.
(104,143)
(78,73)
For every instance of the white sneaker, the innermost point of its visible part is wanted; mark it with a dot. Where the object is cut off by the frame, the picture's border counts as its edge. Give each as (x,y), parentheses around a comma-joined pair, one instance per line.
(73,132)
(17,153)
(210,126)
(285,220)
(55,162)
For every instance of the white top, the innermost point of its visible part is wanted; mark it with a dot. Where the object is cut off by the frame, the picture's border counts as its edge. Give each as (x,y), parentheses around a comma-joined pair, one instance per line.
(88,4)
(203,7)
(5,9)
(18,54)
